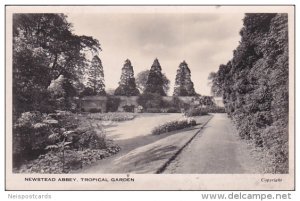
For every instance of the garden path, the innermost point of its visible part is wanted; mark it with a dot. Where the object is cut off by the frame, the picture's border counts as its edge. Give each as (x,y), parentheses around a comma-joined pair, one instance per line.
(217,149)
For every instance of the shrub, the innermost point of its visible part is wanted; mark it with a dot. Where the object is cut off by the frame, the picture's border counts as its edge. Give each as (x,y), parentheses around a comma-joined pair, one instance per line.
(112,103)
(178,104)
(88,137)
(153,110)
(192,112)
(51,162)
(87,92)
(173,110)
(128,108)
(95,110)
(59,132)
(173,126)
(30,135)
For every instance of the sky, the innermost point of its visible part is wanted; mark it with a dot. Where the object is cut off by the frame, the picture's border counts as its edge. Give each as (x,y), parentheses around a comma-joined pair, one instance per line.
(203,40)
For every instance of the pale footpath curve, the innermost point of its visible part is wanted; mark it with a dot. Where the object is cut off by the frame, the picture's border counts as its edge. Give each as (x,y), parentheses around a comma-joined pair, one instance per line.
(215,150)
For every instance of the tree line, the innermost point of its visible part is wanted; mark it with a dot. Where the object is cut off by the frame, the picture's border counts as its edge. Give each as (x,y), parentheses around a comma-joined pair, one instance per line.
(254,85)
(50,63)
(148,81)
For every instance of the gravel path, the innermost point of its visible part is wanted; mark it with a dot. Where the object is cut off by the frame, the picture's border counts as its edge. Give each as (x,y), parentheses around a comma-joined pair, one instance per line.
(215,150)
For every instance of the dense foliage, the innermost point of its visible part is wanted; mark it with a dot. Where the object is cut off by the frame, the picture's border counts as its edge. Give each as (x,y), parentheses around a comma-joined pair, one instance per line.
(155,83)
(112,103)
(127,86)
(255,86)
(183,83)
(96,77)
(142,77)
(192,112)
(43,49)
(51,163)
(36,133)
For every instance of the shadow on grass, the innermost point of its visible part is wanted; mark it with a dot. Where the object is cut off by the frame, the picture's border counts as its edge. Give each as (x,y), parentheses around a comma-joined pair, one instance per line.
(133,143)
(145,161)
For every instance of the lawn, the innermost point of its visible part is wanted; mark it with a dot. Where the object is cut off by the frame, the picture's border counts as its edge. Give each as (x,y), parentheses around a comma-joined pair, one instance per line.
(141,151)
(141,125)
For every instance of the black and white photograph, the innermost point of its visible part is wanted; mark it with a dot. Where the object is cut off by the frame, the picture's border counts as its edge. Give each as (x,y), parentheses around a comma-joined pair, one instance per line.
(150,97)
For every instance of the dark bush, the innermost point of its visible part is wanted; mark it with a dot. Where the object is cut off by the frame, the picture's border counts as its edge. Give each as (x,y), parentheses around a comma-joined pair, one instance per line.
(51,161)
(87,92)
(178,104)
(173,110)
(128,108)
(88,138)
(196,112)
(30,135)
(112,103)
(153,110)
(95,110)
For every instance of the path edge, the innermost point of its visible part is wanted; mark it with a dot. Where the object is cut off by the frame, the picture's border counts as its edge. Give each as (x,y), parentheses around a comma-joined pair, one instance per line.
(173,157)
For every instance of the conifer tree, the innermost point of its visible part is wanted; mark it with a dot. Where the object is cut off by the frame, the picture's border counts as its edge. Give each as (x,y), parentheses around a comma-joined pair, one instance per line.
(141,81)
(155,83)
(127,86)
(183,83)
(96,77)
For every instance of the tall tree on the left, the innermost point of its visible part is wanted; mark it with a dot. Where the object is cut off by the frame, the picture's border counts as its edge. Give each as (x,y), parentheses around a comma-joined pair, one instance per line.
(96,77)
(45,48)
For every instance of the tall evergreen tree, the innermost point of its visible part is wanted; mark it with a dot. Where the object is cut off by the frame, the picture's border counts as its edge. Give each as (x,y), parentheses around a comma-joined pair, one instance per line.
(96,77)
(141,81)
(127,86)
(155,83)
(183,83)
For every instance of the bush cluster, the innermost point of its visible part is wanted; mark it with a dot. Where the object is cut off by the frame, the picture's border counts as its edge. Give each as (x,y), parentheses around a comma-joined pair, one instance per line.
(30,135)
(173,126)
(34,131)
(51,162)
(119,116)
(128,108)
(192,112)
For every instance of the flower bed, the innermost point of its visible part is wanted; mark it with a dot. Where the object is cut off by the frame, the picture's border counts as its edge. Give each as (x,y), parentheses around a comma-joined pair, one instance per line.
(173,126)
(57,143)
(52,163)
(122,116)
